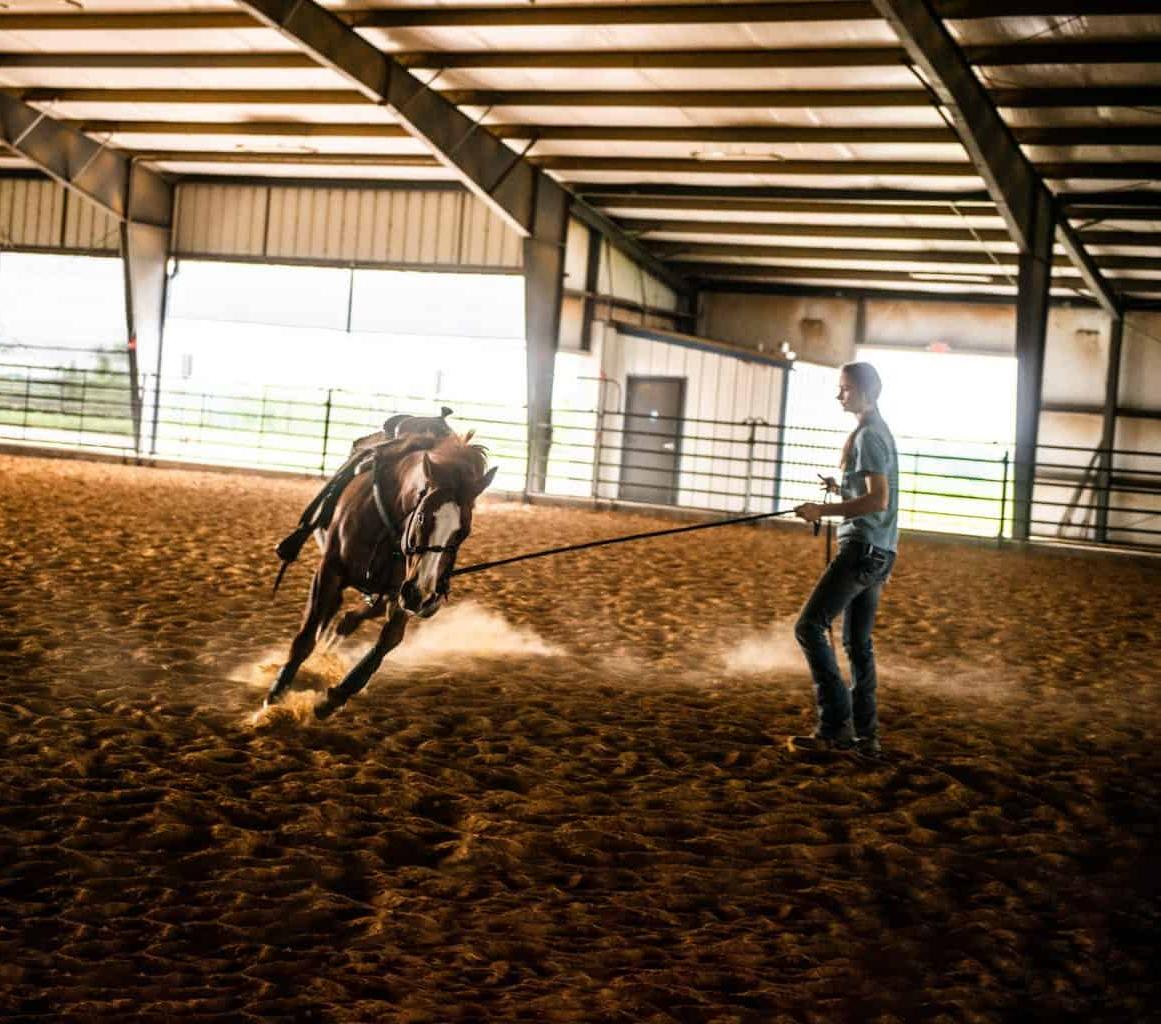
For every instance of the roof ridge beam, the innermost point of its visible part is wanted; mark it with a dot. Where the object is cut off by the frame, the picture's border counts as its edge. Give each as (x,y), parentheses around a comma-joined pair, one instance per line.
(566,14)
(115,182)
(1010,177)
(1112,51)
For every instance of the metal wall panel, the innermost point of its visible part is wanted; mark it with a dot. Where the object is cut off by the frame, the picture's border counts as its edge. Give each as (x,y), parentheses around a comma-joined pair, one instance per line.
(343,226)
(87,226)
(221,220)
(37,213)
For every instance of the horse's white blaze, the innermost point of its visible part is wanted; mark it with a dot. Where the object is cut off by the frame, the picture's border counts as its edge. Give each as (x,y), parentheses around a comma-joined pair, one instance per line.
(447,522)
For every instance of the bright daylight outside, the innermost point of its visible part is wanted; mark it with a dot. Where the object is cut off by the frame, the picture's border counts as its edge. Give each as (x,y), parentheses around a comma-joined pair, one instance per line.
(285,366)
(953,417)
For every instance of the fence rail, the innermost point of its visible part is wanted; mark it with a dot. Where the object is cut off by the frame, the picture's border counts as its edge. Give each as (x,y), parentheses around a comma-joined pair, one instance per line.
(717,465)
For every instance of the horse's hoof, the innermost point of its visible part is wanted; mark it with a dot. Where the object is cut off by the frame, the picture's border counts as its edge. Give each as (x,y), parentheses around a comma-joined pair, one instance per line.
(326,707)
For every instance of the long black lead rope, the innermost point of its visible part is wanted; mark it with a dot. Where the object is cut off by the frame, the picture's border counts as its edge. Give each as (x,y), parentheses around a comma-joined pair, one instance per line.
(481,566)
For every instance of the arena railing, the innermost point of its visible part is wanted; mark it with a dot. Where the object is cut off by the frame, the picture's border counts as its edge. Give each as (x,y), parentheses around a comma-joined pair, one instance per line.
(1084,495)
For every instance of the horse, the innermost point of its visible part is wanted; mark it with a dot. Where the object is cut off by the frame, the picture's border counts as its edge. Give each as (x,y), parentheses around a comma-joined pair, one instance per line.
(396,530)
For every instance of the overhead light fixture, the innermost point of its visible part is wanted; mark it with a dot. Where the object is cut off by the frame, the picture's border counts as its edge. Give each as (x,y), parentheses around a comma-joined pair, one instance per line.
(717,153)
(952,277)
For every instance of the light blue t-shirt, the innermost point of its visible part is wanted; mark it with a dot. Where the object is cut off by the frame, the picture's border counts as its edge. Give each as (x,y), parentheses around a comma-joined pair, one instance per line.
(873,451)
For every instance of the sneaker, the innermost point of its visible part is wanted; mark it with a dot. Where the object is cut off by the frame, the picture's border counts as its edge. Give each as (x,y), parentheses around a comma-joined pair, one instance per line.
(816,744)
(868,745)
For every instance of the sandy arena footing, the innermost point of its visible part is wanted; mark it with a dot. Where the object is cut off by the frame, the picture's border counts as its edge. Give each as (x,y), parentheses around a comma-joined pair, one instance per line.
(568,797)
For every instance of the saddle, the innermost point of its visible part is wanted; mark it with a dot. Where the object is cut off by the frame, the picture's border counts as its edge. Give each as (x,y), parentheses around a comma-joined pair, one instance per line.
(318,513)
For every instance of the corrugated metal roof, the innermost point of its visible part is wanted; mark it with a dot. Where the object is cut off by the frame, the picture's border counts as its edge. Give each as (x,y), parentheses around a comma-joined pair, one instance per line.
(704,99)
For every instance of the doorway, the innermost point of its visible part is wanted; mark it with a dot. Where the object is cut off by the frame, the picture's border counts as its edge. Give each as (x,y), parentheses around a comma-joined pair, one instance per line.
(654,408)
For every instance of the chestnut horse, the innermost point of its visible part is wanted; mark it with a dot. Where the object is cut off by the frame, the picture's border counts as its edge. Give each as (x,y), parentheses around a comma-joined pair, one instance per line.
(394,536)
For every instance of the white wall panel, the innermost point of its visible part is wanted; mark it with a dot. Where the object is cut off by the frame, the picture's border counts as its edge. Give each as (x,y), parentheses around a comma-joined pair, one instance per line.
(363,226)
(721,392)
(1076,355)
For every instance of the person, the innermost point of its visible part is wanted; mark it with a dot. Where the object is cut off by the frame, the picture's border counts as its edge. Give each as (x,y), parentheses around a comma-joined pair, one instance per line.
(852,583)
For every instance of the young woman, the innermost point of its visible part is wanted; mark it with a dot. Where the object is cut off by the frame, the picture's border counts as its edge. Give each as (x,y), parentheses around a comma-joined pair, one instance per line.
(868,539)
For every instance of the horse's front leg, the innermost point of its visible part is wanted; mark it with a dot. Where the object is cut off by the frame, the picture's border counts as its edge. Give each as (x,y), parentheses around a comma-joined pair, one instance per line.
(326,594)
(354,619)
(389,638)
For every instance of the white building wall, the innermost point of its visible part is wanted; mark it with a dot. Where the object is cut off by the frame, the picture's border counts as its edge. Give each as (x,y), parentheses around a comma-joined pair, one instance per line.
(721,392)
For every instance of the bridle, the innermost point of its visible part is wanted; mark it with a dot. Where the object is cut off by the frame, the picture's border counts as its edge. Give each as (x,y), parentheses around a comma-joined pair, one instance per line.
(413,523)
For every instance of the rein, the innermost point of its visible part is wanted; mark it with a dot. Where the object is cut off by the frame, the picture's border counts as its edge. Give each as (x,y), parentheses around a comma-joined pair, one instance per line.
(481,566)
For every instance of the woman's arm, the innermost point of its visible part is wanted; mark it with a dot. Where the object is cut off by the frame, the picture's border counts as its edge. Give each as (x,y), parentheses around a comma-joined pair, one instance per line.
(877,498)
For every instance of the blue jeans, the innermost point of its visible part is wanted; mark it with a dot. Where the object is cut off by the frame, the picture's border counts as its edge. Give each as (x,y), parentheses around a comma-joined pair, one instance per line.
(851,584)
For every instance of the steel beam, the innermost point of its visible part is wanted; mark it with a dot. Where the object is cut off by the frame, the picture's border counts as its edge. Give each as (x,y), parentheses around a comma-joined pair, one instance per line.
(1031,332)
(507,182)
(1000,55)
(527,198)
(1006,261)
(1077,51)
(849,208)
(1096,135)
(573,14)
(282,156)
(774,164)
(138,197)
(544,254)
(656,190)
(992,278)
(643,228)
(1143,197)
(104,176)
(301,129)
(1010,178)
(914,294)
(404,87)
(1108,440)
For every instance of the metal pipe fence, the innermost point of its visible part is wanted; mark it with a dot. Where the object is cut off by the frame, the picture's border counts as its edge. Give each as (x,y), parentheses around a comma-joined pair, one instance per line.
(727,466)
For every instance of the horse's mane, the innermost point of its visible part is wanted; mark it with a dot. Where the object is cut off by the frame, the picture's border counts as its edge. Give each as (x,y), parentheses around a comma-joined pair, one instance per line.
(456,456)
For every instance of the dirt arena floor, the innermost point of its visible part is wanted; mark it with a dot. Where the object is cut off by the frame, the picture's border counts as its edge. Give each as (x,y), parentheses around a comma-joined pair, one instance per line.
(568,798)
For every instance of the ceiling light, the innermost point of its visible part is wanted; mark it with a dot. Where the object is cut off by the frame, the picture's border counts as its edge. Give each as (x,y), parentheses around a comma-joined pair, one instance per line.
(950,276)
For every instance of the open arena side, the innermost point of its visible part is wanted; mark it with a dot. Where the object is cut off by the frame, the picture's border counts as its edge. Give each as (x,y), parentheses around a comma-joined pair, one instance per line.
(567,797)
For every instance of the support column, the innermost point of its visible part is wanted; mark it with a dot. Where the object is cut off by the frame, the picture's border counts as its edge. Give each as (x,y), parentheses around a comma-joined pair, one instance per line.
(592,286)
(543,290)
(1031,328)
(1109,429)
(144,254)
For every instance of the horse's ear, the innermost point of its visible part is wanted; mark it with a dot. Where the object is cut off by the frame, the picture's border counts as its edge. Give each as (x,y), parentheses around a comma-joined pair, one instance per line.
(469,435)
(428,469)
(488,477)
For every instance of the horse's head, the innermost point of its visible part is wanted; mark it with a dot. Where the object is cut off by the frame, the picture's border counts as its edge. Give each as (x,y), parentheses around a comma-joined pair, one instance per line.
(446,482)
